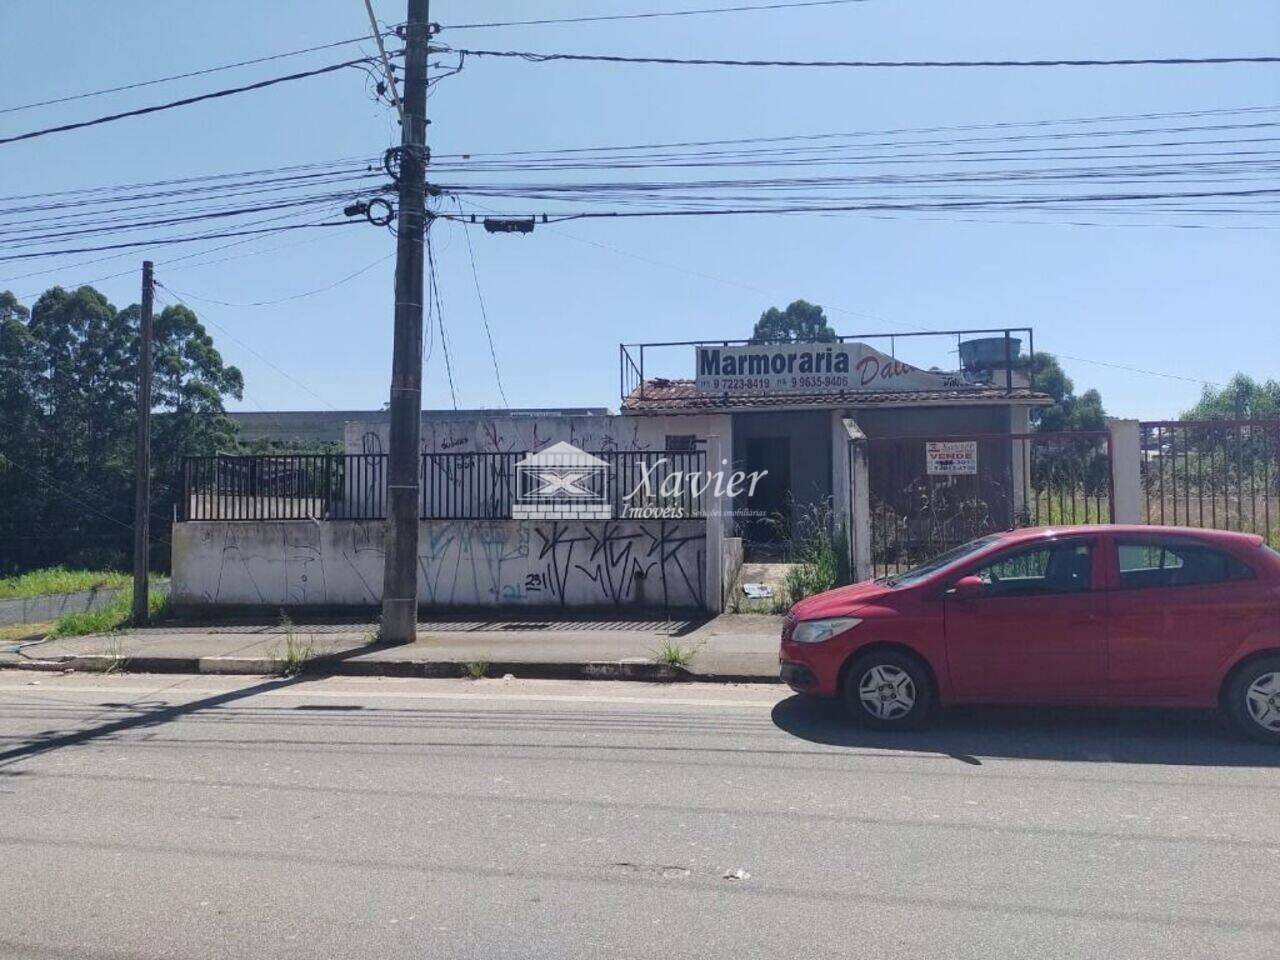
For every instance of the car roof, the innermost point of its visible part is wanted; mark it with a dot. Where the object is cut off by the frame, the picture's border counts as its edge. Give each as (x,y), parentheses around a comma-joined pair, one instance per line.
(1133,529)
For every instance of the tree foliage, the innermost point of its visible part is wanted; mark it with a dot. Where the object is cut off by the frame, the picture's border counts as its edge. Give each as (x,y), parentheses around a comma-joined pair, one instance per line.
(800,321)
(1069,411)
(68,419)
(1242,398)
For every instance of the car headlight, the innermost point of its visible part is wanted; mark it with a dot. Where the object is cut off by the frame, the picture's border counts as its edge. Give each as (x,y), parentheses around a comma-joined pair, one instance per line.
(815,631)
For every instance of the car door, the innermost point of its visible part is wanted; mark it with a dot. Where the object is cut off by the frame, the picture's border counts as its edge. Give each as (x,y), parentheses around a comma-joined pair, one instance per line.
(1036,632)
(1177,608)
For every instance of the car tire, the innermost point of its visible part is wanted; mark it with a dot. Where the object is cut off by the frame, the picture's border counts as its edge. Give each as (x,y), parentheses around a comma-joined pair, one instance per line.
(889,690)
(1252,699)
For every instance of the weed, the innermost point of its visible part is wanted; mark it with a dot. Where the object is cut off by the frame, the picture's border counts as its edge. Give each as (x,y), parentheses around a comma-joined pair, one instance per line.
(297,654)
(373,634)
(674,655)
(816,554)
(477,669)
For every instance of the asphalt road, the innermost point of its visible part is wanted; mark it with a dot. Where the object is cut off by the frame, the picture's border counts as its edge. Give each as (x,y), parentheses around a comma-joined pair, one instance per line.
(217,817)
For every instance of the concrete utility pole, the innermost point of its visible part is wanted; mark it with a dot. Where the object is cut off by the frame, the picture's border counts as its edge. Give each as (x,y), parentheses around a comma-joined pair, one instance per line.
(142,454)
(400,573)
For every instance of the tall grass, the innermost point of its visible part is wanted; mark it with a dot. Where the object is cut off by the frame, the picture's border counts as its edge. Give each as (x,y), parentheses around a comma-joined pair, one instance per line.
(40,583)
(816,552)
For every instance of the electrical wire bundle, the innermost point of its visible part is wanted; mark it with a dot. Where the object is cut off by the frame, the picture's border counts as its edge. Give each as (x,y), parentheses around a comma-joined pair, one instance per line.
(1183,169)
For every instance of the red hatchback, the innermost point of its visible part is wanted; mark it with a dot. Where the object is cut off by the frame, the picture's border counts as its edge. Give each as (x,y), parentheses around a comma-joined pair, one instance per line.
(1114,615)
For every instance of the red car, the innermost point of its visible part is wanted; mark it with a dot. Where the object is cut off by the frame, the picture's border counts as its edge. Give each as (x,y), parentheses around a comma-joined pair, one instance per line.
(1107,615)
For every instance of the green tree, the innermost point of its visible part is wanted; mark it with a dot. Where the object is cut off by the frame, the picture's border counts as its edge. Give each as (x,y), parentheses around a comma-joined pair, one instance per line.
(1069,411)
(19,428)
(801,321)
(68,420)
(1243,398)
(190,383)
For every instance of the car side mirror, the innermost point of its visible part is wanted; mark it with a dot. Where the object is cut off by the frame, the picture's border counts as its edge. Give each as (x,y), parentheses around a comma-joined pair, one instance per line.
(967,588)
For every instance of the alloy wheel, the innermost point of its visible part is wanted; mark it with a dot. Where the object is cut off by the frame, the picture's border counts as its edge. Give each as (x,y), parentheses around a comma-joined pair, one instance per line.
(1263,700)
(888,692)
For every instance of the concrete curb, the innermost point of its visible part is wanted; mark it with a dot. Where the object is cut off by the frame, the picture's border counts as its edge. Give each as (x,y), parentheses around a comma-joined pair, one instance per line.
(635,670)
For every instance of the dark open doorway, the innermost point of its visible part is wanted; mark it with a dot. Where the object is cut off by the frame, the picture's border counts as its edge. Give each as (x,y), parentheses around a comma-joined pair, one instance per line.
(766,506)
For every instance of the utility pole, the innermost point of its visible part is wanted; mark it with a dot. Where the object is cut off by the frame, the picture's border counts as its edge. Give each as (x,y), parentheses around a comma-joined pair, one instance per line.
(142,454)
(400,572)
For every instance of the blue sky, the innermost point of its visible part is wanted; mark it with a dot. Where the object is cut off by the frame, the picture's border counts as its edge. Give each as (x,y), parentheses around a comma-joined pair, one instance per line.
(1196,303)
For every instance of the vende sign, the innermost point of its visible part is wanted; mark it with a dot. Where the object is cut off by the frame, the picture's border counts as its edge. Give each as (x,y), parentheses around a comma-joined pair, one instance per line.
(809,368)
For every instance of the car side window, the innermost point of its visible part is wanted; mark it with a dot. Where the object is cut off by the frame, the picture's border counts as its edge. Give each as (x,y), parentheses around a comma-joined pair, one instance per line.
(1055,568)
(1170,563)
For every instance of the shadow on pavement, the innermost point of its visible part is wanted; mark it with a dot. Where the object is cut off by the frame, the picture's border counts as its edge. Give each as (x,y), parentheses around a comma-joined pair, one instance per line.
(969,734)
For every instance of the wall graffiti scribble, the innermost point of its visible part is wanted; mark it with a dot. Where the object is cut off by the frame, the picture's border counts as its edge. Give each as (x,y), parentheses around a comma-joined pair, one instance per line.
(461,563)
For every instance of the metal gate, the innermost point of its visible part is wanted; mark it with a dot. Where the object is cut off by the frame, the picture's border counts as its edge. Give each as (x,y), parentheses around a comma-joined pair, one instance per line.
(928,494)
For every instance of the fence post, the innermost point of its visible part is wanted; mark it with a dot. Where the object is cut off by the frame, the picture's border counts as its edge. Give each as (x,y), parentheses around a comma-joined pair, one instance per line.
(859,492)
(713,519)
(1126,471)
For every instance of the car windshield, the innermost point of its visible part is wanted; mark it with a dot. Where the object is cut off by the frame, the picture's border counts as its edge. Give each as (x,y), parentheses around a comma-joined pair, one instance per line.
(940,562)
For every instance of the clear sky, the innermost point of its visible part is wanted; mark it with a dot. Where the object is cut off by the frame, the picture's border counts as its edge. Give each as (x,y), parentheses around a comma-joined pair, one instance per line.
(1199,303)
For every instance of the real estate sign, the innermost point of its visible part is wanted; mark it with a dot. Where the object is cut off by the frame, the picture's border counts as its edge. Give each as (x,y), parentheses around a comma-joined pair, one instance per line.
(951,458)
(781,368)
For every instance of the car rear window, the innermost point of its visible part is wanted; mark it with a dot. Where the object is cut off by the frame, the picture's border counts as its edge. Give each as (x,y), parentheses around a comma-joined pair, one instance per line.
(1170,563)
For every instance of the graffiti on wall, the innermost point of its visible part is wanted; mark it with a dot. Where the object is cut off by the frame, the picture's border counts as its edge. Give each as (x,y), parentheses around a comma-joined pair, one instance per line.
(461,563)
(510,435)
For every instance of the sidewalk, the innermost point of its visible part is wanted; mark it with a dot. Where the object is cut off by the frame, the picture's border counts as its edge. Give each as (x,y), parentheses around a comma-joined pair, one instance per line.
(729,648)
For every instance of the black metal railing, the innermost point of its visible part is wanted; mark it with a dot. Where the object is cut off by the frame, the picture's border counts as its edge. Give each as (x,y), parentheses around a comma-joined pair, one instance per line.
(1223,474)
(454,486)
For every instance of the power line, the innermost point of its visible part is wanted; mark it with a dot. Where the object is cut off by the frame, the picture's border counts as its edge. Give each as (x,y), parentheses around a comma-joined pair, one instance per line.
(185,101)
(652,14)
(284,373)
(1006,124)
(434,298)
(186,76)
(164,241)
(535,57)
(987,203)
(839,309)
(484,314)
(297,296)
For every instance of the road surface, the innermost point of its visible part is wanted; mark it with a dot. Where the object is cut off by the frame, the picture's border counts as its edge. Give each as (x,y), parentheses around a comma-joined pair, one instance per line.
(148,816)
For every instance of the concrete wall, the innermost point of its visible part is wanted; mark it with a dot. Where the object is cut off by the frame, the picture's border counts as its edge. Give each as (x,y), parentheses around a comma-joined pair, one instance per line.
(461,563)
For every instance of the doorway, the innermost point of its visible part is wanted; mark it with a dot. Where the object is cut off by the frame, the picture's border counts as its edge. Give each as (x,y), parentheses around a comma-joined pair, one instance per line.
(767,517)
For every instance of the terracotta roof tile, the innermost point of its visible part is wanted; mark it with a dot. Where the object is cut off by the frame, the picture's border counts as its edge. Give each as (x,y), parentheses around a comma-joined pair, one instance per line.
(661,395)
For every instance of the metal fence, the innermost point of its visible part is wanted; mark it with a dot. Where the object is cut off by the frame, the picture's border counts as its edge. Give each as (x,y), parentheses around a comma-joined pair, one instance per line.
(1223,474)
(922,504)
(454,486)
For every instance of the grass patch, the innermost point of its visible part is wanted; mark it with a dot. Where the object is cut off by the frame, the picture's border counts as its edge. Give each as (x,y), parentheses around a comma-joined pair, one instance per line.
(476,669)
(117,616)
(24,631)
(673,655)
(40,583)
